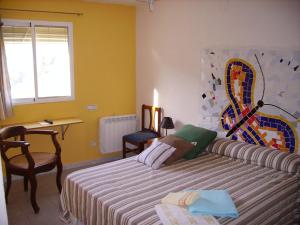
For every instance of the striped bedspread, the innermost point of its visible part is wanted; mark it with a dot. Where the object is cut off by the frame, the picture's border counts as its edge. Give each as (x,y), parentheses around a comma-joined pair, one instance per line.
(125,192)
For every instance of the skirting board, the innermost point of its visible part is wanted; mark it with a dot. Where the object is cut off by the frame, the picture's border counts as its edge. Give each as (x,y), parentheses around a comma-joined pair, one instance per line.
(74,166)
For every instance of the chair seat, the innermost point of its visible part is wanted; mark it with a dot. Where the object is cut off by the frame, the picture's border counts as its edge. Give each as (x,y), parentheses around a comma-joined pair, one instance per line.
(40,159)
(140,137)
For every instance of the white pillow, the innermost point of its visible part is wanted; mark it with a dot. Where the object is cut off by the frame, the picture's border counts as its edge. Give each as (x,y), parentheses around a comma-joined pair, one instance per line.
(156,154)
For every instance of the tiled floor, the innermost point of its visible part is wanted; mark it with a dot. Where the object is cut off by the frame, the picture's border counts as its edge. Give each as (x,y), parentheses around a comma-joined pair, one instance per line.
(19,208)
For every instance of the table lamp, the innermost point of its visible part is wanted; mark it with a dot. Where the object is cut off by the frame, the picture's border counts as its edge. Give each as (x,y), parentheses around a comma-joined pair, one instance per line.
(167,123)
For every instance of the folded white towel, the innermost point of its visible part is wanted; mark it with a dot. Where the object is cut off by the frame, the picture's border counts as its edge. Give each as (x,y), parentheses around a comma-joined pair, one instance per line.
(171,214)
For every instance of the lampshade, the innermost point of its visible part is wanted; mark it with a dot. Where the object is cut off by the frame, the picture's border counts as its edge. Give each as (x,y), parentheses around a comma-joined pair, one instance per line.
(167,123)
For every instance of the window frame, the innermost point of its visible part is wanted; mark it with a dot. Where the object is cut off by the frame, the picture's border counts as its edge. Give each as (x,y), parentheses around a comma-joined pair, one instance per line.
(32,23)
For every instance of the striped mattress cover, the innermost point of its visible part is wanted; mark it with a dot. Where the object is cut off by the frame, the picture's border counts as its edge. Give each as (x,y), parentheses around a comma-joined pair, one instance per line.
(264,186)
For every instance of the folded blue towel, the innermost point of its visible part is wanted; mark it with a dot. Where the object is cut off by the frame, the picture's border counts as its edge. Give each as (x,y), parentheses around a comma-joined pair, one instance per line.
(214,202)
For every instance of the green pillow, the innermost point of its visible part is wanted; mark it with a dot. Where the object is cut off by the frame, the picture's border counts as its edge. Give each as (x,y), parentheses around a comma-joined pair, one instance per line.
(202,136)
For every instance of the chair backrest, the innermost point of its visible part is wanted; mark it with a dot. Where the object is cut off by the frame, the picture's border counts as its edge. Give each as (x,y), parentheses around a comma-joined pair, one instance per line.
(8,132)
(154,112)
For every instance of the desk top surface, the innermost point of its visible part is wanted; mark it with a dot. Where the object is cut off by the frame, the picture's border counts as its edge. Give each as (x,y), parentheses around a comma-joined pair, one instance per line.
(42,124)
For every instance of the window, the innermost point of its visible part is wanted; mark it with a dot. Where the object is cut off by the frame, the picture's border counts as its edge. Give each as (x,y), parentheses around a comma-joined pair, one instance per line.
(39,60)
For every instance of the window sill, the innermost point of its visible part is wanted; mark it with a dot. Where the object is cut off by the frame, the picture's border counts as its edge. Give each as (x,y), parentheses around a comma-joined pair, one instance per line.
(42,100)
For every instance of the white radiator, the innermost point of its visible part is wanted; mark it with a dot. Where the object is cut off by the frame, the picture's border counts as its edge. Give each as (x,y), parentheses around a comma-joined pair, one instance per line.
(112,129)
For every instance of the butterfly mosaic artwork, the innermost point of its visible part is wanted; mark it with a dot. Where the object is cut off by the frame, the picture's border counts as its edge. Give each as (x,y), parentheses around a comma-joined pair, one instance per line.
(252,96)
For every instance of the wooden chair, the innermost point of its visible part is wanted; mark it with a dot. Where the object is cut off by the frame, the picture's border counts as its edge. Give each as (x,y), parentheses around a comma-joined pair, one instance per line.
(28,164)
(140,138)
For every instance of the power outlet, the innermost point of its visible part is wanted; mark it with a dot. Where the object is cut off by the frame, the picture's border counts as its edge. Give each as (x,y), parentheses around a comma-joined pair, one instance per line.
(91,107)
(93,143)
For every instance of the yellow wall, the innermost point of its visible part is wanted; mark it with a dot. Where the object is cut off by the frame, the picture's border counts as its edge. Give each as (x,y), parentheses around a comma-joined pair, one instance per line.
(104,70)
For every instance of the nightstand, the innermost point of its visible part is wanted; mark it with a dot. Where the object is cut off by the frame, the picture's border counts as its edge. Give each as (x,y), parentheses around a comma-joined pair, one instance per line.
(149,142)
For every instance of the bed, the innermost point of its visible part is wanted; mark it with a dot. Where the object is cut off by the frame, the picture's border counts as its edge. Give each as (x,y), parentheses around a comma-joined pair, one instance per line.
(263,183)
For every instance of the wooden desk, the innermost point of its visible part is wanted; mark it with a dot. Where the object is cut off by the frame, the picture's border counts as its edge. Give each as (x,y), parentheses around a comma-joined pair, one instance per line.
(63,123)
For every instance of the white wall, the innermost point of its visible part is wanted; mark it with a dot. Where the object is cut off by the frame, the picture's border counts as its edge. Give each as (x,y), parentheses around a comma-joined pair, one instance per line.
(169,41)
(3,215)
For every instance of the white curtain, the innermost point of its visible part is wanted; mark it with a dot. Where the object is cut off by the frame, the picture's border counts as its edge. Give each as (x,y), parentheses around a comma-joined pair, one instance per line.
(6,107)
